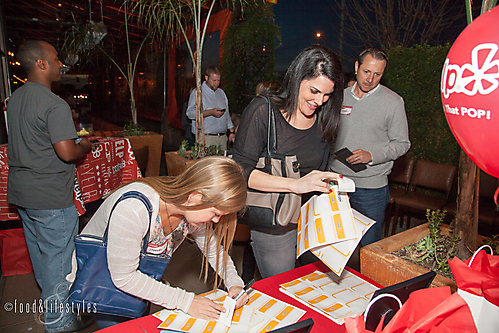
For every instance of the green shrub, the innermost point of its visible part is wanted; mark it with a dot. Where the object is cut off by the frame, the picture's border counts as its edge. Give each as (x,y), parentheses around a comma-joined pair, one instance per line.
(414,73)
(132,128)
(199,150)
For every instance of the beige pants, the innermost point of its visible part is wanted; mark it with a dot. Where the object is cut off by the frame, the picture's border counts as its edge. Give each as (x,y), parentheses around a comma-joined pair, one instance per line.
(213,140)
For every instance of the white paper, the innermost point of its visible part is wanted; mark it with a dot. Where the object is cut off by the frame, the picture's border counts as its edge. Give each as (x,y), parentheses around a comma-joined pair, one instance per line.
(331,229)
(330,295)
(226,317)
(346,185)
(261,313)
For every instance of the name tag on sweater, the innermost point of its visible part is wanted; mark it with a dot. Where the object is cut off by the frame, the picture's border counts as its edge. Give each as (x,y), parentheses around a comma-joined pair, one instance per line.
(346,110)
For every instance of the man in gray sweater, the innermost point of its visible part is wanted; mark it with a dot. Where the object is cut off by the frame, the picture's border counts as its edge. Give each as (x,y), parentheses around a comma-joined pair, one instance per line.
(373,126)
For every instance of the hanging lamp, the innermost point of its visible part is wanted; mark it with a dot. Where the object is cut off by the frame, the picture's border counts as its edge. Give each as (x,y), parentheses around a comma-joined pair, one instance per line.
(96,31)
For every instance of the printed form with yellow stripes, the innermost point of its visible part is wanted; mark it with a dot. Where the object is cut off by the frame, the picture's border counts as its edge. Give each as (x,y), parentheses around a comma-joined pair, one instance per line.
(261,314)
(333,296)
(330,228)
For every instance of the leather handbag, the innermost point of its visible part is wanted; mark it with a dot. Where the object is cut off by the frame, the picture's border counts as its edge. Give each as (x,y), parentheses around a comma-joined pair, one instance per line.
(93,290)
(268,209)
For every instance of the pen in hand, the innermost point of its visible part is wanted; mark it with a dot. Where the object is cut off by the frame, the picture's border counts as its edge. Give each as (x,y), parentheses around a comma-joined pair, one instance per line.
(245,289)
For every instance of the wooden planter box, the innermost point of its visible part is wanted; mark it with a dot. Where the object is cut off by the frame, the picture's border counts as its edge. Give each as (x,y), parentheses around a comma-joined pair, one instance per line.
(377,262)
(154,143)
(176,164)
(147,149)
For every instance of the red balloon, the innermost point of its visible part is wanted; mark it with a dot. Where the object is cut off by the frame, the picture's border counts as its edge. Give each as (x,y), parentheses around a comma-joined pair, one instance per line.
(470,91)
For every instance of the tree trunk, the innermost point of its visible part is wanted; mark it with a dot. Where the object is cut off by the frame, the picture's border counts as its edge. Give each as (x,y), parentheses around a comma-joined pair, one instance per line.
(466,222)
(199,113)
(199,99)
(130,82)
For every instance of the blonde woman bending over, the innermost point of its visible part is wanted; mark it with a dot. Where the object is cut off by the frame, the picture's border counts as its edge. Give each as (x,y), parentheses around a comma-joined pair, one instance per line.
(203,201)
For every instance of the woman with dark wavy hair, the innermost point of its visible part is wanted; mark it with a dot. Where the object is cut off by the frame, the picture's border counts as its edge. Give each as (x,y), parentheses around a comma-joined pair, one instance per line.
(307,109)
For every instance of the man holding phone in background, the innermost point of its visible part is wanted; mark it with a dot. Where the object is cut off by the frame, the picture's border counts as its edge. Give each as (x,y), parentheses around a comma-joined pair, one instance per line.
(215,111)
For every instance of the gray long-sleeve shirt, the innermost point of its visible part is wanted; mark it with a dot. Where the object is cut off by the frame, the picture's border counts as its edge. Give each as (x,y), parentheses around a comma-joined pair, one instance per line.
(376,123)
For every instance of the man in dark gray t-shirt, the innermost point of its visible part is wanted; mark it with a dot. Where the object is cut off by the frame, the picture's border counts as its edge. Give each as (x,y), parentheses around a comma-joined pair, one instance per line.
(42,150)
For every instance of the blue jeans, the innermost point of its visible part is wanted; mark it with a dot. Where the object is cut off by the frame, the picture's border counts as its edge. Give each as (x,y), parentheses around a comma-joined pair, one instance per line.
(274,254)
(371,202)
(50,238)
(105,321)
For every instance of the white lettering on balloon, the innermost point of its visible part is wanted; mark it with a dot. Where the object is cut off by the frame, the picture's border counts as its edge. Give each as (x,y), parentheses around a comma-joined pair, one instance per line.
(471,79)
(474,113)
(470,112)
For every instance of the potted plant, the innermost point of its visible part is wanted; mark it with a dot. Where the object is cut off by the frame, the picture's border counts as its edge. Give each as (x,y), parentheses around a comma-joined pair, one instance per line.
(168,19)
(153,142)
(178,161)
(83,41)
(380,261)
(80,40)
(139,139)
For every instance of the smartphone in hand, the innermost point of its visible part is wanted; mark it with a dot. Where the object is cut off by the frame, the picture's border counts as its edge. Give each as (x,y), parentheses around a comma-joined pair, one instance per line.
(342,155)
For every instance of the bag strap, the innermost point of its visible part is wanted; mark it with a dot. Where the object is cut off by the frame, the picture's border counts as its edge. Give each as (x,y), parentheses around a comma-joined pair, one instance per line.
(271,132)
(371,303)
(478,250)
(145,201)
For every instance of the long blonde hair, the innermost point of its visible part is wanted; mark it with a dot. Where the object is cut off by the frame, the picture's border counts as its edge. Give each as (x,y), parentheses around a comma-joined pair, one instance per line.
(222,185)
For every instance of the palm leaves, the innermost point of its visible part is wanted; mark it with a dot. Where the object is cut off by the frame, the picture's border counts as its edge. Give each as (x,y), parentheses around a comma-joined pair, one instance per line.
(170,19)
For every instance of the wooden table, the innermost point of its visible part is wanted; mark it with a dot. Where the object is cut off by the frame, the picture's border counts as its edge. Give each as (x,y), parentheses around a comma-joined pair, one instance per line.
(269,286)
(105,168)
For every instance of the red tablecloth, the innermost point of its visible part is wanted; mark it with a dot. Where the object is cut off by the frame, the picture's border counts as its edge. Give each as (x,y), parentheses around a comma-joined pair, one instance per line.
(105,168)
(269,286)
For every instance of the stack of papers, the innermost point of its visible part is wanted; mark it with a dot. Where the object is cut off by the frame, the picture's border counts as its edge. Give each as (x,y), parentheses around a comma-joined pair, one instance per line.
(330,228)
(333,296)
(262,313)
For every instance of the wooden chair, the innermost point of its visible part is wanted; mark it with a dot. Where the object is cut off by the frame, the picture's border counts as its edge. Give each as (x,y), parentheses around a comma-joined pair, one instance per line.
(430,188)
(398,180)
